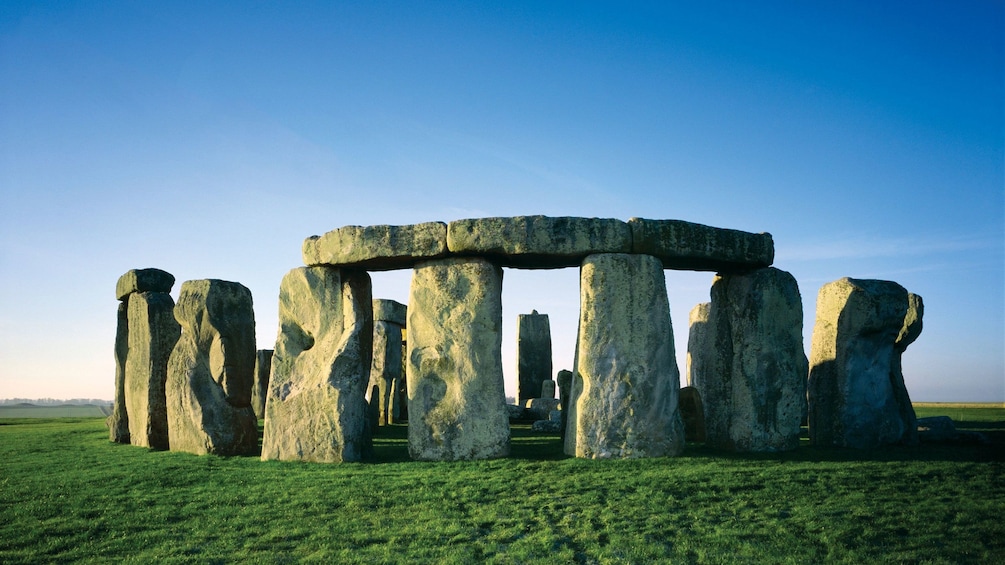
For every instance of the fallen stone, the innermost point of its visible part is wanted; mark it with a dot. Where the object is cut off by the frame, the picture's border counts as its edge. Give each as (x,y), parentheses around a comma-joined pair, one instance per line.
(533,353)
(541,408)
(316,409)
(540,242)
(695,247)
(624,393)
(153,333)
(211,370)
(514,412)
(260,388)
(456,394)
(936,429)
(546,426)
(377,248)
(118,421)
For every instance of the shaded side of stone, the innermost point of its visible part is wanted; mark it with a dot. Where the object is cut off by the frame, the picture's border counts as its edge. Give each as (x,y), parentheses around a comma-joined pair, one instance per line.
(211,372)
(143,280)
(692,413)
(260,390)
(624,396)
(456,396)
(695,247)
(317,408)
(377,248)
(385,310)
(541,242)
(700,345)
(153,333)
(533,354)
(386,369)
(118,421)
(908,334)
(564,378)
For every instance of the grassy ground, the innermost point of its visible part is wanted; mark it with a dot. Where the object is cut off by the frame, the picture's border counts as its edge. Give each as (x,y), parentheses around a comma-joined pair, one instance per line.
(60,411)
(67,494)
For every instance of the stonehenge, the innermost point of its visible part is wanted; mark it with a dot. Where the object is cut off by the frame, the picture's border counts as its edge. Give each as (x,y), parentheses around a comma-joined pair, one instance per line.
(437,359)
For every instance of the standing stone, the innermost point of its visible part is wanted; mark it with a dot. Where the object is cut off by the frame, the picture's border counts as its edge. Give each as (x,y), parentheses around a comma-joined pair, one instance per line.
(316,409)
(456,394)
(211,370)
(564,392)
(533,352)
(386,369)
(548,389)
(754,394)
(692,413)
(260,389)
(700,346)
(909,333)
(624,394)
(853,363)
(153,333)
(118,421)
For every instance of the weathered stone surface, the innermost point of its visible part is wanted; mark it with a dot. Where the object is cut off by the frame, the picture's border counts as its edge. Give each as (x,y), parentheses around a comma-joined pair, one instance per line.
(546,426)
(386,368)
(260,388)
(456,396)
(514,412)
(692,413)
(696,247)
(316,409)
(533,354)
(548,388)
(540,408)
(564,378)
(853,363)
(211,370)
(541,242)
(143,280)
(624,394)
(118,421)
(153,333)
(908,333)
(936,429)
(754,394)
(377,248)
(700,345)
(385,310)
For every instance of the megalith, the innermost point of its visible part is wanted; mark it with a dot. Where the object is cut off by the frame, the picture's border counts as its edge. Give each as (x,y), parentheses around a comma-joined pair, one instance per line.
(260,388)
(909,333)
(211,370)
(754,392)
(533,353)
(692,413)
(317,408)
(386,368)
(456,395)
(700,346)
(153,333)
(624,394)
(855,364)
(118,421)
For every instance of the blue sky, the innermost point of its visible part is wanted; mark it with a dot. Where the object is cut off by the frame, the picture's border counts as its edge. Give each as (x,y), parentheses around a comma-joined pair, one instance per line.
(209,139)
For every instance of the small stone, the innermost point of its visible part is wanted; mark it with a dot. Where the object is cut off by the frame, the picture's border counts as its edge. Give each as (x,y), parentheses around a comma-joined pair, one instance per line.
(546,426)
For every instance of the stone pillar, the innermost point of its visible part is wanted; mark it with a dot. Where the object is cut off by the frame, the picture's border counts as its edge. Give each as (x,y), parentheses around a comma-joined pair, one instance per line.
(153,345)
(692,413)
(317,408)
(754,390)
(700,346)
(260,389)
(909,333)
(211,370)
(386,369)
(564,391)
(624,395)
(548,389)
(533,353)
(153,333)
(854,365)
(456,394)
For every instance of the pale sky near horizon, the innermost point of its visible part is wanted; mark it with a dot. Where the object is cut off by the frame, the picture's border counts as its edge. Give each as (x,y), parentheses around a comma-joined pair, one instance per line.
(209,139)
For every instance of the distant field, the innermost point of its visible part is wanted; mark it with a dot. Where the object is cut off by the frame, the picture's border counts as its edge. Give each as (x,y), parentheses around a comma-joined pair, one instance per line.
(65,411)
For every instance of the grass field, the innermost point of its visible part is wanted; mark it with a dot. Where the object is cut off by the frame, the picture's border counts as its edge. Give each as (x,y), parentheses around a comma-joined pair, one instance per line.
(67,494)
(60,411)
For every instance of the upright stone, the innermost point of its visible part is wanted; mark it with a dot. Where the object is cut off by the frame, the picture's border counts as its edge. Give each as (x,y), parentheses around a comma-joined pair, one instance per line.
(118,421)
(260,389)
(456,395)
(700,346)
(317,408)
(548,389)
(153,333)
(564,392)
(533,352)
(624,395)
(909,333)
(754,394)
(386,369)
(692,413)
(854,363)
(211,370)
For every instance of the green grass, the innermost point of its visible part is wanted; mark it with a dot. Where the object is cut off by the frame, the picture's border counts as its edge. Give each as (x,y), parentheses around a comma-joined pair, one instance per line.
(59,411)
(67,494)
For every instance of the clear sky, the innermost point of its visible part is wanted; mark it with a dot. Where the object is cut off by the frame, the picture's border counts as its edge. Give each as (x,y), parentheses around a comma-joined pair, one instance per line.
(209,139)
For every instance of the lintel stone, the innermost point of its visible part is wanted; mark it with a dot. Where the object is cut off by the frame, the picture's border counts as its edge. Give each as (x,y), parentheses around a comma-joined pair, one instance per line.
(385,310)
(377,248)
(143,280)
(684,245)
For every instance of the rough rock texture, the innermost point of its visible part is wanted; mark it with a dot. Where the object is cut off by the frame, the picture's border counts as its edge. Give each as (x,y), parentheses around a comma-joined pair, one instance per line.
(143,280)
(754,394)
(212,370)
(692,413)
(548,388)
(908,333)
(697,247)
(533,354)
(377,248)
(385,310)
(321,366)
(386,369)
(700,346)
(260,388)
(538,241)
(153,333)
(854,363)
(624,393)
(564,378)
(540,408)
(546,426)
(456,398)
(118,421)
